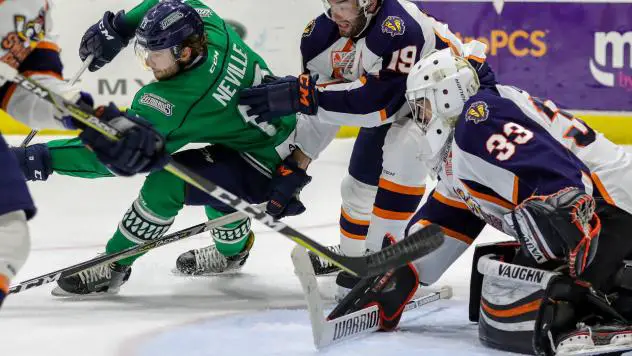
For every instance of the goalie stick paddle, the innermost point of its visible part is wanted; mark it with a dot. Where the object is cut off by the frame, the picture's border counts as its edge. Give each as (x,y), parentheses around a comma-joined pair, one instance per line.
(364,321)
(128,252)
(391,257)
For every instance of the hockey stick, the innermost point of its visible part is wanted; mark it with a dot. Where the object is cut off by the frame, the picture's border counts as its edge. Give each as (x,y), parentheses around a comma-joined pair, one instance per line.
(361,322)
(72,82)
(128,252)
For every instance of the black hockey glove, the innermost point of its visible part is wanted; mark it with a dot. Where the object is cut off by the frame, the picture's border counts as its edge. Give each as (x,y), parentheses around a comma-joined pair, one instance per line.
(558,226)
(105,39)
(283,96)
(35,161)
(141,148)
(287,183)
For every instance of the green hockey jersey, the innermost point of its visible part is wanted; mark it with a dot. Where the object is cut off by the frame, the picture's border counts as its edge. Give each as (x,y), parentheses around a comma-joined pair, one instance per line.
(198,105)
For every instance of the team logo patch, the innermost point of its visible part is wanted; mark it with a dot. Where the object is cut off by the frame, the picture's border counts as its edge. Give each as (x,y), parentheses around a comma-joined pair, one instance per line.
(309,28)
(394,26)
(342,62)
(477,112)
(20,42)
(158,103)
(170,20)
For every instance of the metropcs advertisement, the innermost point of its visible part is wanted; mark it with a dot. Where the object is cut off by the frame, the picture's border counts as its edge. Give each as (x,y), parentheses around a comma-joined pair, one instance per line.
(578,54)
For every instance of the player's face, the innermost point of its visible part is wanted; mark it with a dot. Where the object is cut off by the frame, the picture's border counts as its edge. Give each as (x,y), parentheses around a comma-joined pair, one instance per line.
(162,63)
(348,16)
(421,112)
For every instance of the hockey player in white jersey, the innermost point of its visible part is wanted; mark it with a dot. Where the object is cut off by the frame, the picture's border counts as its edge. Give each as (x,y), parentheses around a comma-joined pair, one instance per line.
(28,49)
(362,51)
(541,175)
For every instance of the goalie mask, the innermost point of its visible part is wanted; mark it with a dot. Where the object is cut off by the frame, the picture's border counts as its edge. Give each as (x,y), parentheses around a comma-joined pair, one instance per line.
(436,90)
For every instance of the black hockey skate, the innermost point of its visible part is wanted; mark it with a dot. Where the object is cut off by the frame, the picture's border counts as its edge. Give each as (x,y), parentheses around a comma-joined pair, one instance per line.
(321,266)
(209,261)
(96,280)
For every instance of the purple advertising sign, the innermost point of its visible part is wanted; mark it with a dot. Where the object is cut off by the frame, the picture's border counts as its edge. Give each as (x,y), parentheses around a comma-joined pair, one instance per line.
(577,54)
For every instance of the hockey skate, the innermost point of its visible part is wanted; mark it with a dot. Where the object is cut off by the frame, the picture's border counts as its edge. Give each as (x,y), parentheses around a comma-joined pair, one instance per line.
(596,340)
(321,266)
(208,261)
(96,280)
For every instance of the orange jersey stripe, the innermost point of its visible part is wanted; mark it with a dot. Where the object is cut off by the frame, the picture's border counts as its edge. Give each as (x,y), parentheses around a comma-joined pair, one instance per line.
(476,59)
(401,189)
(4,284)
(47,45)
(383,115)
(448,201)
(489,198)
(514,196)
(30,73)
(450,233)
(449,43)
(602,189)
(391,215)
(352,236)
(352,220)
(516,311)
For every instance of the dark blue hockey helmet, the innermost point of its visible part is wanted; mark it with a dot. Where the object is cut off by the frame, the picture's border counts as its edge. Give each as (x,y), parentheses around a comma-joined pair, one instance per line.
(167,25)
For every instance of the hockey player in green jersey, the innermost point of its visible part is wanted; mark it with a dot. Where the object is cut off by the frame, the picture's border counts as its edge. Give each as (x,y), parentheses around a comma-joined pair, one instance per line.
(200,65)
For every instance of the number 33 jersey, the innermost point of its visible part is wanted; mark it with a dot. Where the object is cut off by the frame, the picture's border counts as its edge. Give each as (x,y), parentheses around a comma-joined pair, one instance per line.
(363,79)
(509,146)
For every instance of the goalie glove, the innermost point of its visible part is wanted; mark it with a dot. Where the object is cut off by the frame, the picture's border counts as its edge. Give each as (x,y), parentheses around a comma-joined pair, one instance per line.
(558,226)
(281,96)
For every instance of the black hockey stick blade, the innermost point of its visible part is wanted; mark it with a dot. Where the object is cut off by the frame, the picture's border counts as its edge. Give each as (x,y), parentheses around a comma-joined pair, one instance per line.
(409,249)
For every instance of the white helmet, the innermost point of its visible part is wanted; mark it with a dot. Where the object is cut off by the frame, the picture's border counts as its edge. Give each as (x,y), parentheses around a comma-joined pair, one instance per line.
(436,89)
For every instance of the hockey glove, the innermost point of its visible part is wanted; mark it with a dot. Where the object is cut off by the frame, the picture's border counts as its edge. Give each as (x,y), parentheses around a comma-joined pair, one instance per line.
(105,39)
(281,97)
(35,161)
(287,182)
(141,148)
(558,226)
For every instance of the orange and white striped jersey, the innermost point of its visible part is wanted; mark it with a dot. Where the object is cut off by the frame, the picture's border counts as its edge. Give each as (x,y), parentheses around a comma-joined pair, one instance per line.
(26,44)
(507,147)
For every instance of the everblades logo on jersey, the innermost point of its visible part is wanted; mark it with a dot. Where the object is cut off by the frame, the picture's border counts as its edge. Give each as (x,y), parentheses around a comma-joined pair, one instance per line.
(477,112)
(158,103)
(309,28)
(170,20)
(394,26)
